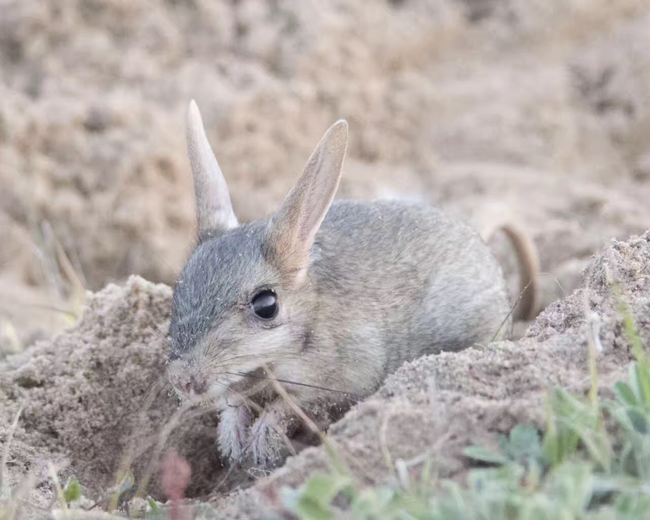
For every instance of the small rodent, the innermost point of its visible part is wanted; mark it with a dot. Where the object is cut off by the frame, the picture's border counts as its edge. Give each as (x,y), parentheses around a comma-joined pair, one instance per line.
(331,297)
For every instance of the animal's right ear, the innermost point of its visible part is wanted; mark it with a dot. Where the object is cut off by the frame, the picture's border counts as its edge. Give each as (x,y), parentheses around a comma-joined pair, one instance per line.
(213,207)
(293,228)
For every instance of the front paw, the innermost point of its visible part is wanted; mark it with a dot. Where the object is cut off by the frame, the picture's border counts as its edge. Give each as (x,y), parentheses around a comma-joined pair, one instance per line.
(234,432)
(268,440)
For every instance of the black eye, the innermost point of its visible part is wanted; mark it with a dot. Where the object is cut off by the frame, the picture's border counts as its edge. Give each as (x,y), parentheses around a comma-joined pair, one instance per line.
(265,305)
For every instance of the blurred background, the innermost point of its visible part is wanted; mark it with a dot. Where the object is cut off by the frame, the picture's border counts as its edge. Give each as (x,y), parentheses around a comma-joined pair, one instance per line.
(537,109)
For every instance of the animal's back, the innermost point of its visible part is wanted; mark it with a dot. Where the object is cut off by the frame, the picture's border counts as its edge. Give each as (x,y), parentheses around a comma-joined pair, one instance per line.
(400,280)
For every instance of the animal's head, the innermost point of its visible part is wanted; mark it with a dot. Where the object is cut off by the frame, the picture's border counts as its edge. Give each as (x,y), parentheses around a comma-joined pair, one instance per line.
(243,299)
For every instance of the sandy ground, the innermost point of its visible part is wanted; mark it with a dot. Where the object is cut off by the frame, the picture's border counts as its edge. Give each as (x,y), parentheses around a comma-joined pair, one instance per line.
(537,110)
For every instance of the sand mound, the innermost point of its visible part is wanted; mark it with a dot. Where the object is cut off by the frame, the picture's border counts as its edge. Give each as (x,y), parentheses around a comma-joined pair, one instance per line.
(95,397)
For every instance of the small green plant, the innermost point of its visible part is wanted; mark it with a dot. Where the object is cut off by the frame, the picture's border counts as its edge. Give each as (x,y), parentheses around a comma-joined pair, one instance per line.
(72,491)
(70,503)
(522,446)
(572,424)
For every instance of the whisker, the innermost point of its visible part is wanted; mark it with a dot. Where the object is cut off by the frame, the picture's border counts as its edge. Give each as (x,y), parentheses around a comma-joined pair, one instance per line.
(160,334)
(233,368)
(242,356)
(354,397)
(155,389)
(313,356)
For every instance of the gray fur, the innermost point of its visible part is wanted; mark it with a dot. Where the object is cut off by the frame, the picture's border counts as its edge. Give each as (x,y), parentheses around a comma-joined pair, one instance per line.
(385,282)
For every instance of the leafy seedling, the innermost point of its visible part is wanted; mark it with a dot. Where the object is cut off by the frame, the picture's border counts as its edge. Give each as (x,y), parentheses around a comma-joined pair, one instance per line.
(522,446)
(72,491)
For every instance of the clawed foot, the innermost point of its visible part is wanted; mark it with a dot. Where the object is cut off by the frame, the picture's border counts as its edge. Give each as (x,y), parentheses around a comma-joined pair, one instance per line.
(233,431)
(268,439)
(263,441)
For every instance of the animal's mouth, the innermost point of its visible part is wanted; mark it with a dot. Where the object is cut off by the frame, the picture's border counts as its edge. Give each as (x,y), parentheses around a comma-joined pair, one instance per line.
(250,383)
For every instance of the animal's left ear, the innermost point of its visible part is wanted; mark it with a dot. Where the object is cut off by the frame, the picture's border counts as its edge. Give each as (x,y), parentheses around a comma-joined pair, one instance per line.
(213,207)
(292,229)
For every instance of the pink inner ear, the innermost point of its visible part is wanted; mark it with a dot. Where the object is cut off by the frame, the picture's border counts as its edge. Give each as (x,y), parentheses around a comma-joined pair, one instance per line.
(301,276)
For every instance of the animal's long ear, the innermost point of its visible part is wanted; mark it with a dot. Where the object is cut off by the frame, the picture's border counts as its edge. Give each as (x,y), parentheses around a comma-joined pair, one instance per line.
(213,207)
(293,227)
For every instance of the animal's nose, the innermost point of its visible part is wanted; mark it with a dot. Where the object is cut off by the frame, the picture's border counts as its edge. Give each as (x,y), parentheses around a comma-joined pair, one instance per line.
(186,383)
(195,384)
(198,384)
